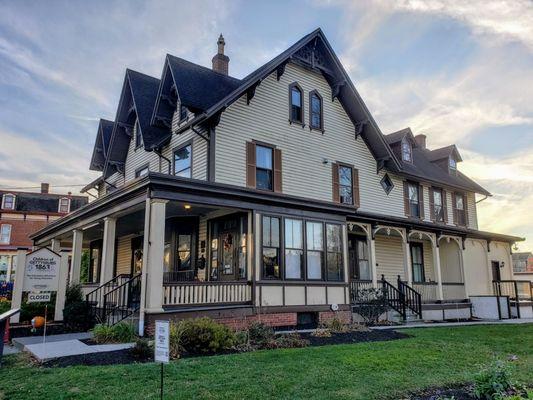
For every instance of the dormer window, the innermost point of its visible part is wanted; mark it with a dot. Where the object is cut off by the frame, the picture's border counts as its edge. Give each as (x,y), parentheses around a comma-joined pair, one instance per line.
(183,112)
(64,205)
(315,115)
(407,151)
(138,136)
(452,163)
(296,105)
(8,201)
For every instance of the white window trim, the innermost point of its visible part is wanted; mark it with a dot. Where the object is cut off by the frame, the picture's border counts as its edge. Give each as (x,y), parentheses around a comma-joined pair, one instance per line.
(59,205)
(8,235)
(405,141)
(4,199)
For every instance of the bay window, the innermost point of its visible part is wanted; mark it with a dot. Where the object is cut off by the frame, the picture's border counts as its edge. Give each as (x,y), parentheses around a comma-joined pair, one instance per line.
(315,249)
(183,161)
(271,248)
(334,252)
(294,249)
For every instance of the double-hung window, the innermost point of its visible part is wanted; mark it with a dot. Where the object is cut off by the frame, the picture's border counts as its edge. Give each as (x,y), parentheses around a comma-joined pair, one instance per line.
(271,248)
(315,105)
(460,209)
(183,112)
(296,104)
(264,173)
(315,249)
(64,205)
(8,201)
(5,234)
(183,161)
(334,252)
(142,171)
(294,249)
(417,262)
(438,205)
(345,184)
(407,151)
(414,199)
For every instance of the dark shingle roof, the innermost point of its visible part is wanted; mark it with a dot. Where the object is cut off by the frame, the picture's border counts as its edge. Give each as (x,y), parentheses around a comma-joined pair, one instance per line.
(101,144)
(443,152)
(43,202)
(199,87)
(397,136)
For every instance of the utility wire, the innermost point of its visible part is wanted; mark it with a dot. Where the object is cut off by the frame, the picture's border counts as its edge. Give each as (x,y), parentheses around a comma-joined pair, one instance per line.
(38,187)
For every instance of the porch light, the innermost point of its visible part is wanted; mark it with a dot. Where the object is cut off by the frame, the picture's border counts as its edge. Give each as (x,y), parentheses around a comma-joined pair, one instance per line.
(187,206)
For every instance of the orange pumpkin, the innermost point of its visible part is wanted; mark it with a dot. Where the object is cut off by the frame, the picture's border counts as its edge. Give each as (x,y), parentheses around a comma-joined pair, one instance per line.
(37,322)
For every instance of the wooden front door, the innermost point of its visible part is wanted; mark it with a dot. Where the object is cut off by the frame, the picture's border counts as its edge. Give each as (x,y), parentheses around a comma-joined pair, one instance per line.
(137,244)
(228,248)
(358,258)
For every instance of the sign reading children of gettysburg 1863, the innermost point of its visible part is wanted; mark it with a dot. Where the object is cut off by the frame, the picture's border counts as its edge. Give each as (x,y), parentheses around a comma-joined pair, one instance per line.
(42,270)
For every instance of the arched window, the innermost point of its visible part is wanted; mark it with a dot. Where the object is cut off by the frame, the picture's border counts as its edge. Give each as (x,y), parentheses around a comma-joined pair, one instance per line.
(315,113)
(8,201)
(407,151)
(296,103)
(138,136)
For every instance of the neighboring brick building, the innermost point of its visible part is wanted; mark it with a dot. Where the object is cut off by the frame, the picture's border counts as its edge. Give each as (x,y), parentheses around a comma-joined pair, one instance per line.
(23,213)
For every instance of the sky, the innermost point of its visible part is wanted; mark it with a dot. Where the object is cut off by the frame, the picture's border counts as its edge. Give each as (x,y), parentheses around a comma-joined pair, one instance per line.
(459,72)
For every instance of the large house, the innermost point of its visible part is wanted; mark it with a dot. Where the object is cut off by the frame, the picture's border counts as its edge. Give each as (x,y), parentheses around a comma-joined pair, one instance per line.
(23,213)
(275,196)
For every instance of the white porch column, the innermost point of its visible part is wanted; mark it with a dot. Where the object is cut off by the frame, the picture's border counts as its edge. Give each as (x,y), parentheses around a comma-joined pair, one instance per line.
(153,254)
(10,267)
(16,298)
(436,263)
(373,261)
(77,248)
(108,250)
(61,286)
(407,258)
(55,245)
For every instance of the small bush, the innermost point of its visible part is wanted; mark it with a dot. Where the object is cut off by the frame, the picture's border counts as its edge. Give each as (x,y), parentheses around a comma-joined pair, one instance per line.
(335,325)
(119,333)
(260,334)
(493,383)
(142,350)
(5,305)
(371,304)
(30,310)
(73,294)
(201,336)
(175,338)
(288,341)
(321,332)
(76,314)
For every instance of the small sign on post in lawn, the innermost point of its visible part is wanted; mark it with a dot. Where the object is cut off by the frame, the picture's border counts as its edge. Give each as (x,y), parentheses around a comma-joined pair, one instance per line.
(162,346)
(39,297)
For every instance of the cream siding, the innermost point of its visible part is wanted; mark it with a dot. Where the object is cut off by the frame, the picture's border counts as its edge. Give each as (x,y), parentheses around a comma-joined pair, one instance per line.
(303,151)
(478,276)
(390,258)
(124,255)
(138,158)
(472,210)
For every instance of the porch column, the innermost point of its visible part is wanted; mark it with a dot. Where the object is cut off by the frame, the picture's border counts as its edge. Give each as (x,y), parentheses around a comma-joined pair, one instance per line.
(61,286)
(55,245)
(373,261)
(407,258)
(77,247)
(153,254)
(462,266)
(16,298)
(436,263)
(108,250)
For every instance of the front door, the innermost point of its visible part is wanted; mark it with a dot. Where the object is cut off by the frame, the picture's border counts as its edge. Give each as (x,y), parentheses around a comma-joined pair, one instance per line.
(496,276)
(137,255)
(358,257)
(228,248)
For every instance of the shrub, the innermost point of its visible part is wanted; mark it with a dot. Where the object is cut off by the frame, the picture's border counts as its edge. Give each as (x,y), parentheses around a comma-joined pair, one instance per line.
(371,304)
(321,332)
(175,337)
(5,305)
(493,383)
(31,310)
(288,341)
(119,333)
(202,336)
(76,314)
(143,349)
(335,325)
(260,334)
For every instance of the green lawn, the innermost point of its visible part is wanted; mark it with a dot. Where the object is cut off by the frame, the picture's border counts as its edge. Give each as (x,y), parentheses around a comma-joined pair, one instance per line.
(381,370)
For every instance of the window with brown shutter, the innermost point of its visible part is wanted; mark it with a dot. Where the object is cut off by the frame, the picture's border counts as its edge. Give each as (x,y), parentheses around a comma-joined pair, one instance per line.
(277,171)
(335,180)
(250,164)
(421,201)
(454,208)
(466,209)
(406,199)
(355,183)
(445,205)
(412,194)
(431,204)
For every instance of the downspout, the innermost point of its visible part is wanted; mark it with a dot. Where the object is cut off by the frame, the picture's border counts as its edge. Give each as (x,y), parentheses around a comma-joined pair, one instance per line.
(158,152)
(484,198)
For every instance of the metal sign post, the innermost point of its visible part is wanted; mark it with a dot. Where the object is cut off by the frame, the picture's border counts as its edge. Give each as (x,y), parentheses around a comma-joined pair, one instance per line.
(162,346)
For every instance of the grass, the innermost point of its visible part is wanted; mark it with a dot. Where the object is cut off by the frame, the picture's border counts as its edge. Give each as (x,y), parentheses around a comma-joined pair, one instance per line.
(380,370)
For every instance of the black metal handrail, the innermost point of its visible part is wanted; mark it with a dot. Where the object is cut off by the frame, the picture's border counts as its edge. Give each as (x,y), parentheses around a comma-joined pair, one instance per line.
(516,290)
(395,298)
(412,299)
(122,301)
(356,286)
(95,298)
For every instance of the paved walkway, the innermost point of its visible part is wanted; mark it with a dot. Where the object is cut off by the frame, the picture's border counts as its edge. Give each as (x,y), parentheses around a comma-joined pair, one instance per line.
(63,346)
(465,323)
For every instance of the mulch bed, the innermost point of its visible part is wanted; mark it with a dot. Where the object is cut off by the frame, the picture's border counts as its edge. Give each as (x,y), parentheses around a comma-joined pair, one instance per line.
(126,356)
(457,393)
(355,337)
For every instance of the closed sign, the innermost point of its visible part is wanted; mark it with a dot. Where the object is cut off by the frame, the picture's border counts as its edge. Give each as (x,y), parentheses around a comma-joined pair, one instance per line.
(39,297)
(42,270)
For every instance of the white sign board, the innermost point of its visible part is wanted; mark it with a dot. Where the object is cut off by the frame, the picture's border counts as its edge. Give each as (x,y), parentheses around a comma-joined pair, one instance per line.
(162,343)
(39,297)
(42,270)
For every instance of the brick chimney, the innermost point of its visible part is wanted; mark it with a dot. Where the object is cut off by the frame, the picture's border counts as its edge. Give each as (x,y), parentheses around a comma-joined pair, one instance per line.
(421,141)
(220,60)
(45,188)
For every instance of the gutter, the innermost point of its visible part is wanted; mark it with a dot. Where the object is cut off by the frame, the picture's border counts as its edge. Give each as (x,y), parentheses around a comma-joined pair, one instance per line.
(159,153)
(484,198)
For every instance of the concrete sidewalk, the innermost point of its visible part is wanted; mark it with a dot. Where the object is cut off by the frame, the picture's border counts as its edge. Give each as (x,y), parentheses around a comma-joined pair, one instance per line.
(63,345)
(448,324)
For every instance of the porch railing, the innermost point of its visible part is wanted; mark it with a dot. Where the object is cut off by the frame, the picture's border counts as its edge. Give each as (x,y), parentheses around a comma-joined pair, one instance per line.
(411,298)
(179,276)
(356,286)
(453,291)
(427,290)
(95,298)
(517,291)
(122,301)
(206,293)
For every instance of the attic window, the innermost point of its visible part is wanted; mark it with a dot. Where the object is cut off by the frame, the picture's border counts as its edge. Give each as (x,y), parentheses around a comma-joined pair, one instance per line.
(296,107)
(386,184)
(407,151)
(183,112)
(138,137)
(452,162)
(8,201)
(64,205)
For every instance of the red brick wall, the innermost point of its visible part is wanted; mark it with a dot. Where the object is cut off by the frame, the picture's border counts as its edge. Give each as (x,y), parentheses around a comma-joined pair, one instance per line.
(343,316)
(21,230)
